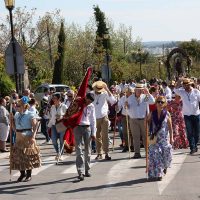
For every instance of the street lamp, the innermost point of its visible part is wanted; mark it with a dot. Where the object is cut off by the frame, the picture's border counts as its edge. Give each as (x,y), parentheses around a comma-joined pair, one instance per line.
(159,64)
(10,4)
(106,37)
(140,61)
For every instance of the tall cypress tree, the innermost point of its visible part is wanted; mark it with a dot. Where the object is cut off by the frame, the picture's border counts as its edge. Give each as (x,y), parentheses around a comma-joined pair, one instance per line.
(59,63)
(101,28)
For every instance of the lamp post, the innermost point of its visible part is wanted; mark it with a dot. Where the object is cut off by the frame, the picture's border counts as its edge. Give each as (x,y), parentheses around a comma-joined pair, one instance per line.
(10,4)
(140,61)
(159,64)
(106,37)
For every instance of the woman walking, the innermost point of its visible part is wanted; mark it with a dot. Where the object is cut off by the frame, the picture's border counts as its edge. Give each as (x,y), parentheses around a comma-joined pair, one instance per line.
(4,125)
(160,152)
(179,135)
(25,155)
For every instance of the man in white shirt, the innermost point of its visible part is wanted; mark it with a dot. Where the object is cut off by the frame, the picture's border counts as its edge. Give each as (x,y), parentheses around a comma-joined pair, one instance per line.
(85,131)
(167,91)
(102,96)
(125,115)
(190,98)
(138,106)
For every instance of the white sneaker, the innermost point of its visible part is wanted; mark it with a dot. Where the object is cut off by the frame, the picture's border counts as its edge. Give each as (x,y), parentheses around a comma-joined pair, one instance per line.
(61,158)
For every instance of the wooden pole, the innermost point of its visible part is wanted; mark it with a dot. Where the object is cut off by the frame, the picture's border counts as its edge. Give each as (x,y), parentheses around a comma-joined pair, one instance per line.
(147,145)
(11,125)
(127,126)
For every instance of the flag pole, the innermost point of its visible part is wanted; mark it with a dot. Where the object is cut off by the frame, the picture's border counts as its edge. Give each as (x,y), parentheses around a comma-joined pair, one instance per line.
(10,116)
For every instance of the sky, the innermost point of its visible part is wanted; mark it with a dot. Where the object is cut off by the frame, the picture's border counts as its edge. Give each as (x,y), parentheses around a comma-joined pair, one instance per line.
(151,20)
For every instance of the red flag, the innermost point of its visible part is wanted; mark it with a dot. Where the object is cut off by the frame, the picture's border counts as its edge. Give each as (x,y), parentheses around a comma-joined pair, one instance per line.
(75,111)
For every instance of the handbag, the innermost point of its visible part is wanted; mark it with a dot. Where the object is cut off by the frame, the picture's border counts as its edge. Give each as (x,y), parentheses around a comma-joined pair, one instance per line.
(152,139)
(60,127)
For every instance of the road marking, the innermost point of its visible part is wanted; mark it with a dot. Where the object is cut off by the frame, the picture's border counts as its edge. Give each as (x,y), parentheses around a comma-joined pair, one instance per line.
(73,170)
(123,167)
(177,162)
(4,155)
(50,161)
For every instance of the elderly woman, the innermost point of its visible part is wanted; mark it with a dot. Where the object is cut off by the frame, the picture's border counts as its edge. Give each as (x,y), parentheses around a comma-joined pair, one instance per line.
(4,125)
(160,151)
(25,155)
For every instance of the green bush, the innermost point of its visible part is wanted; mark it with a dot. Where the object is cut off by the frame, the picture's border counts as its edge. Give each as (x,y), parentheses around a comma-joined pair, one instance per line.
(6,85)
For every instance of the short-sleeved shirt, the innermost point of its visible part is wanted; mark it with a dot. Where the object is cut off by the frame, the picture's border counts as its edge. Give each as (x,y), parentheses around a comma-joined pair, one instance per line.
(24,121)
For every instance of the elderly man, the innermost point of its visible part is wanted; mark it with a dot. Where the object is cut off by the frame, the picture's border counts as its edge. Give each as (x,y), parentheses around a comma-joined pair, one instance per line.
(190,98)
(102,96)
(138,106)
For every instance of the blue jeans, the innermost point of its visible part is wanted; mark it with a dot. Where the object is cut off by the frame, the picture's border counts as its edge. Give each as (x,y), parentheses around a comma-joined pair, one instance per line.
(55,136)
(192,124)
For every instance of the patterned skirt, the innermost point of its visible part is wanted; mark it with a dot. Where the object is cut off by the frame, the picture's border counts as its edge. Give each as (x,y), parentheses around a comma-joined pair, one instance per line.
(24,156)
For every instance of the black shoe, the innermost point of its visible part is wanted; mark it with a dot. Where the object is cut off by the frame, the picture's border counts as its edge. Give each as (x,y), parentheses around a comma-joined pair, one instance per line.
(165,171)
(4,150)
(99,157)
(87,174)
(27,179)
(22,176)
(81,177)
(193,151)
(94,151)
(159,178)
(196,149)
(125,149)
(137,155)
(132,148)
(107,157)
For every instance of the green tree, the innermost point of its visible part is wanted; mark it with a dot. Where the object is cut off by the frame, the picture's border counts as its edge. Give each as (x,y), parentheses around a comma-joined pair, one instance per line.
(59,63)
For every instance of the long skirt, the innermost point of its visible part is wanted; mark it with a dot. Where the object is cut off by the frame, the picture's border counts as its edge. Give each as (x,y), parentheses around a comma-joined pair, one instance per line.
(25,156)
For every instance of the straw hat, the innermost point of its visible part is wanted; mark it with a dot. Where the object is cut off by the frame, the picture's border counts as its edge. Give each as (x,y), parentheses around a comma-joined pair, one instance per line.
(139,86)
(187,81)
(128,89)
(98,86)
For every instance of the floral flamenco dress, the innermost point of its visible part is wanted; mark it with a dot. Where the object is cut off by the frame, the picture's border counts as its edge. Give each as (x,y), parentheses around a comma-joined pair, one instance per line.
(160,153)
(178,125)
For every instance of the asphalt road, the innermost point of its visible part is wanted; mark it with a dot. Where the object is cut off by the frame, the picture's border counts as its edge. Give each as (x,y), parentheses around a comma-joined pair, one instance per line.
(120,178)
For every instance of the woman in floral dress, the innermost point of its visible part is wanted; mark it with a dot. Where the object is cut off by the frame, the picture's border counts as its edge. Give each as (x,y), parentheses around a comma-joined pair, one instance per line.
(178,124)
(160,153)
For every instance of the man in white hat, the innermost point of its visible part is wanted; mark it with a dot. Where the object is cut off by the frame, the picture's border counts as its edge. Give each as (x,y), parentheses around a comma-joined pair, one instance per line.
(138,106)
(102,96)
(191,99)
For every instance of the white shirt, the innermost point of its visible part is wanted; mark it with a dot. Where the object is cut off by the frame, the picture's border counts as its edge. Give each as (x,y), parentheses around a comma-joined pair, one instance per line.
(190,101)
(123,86)
(89,118)
(101,105)
(60,110)
(121,105)
(168,93)
(139,109)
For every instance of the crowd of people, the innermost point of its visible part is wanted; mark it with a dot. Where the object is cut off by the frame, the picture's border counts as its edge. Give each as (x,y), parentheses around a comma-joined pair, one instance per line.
(156,115)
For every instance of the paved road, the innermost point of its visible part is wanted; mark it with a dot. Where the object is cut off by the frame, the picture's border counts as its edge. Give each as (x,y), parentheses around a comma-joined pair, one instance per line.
(120,178)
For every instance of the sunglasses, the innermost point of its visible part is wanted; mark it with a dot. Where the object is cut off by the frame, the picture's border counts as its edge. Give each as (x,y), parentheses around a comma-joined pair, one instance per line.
(160,102)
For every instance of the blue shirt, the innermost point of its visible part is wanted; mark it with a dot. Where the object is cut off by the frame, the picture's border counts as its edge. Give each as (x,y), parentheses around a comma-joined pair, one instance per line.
(24,121)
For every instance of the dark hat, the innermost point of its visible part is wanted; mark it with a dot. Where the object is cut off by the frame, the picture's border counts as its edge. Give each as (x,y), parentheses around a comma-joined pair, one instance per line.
(90,96)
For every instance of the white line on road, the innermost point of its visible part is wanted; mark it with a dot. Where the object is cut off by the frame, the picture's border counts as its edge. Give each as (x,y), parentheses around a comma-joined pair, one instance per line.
(50,161)
(73,170)
(177,162)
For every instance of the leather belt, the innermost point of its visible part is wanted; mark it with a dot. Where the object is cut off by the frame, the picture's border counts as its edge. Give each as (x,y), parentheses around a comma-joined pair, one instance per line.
(84,125)
(22,130)
(139,118)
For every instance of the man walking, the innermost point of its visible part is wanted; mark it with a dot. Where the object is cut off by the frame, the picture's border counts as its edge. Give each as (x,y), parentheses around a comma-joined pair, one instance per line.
(85,131)
(102,97)
(138,104)
(190,98)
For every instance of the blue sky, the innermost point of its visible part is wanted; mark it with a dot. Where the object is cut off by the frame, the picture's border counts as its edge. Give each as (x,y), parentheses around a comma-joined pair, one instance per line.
(152,20)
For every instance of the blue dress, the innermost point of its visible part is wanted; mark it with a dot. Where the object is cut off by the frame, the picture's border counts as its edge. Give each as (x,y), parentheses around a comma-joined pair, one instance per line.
(160,154)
